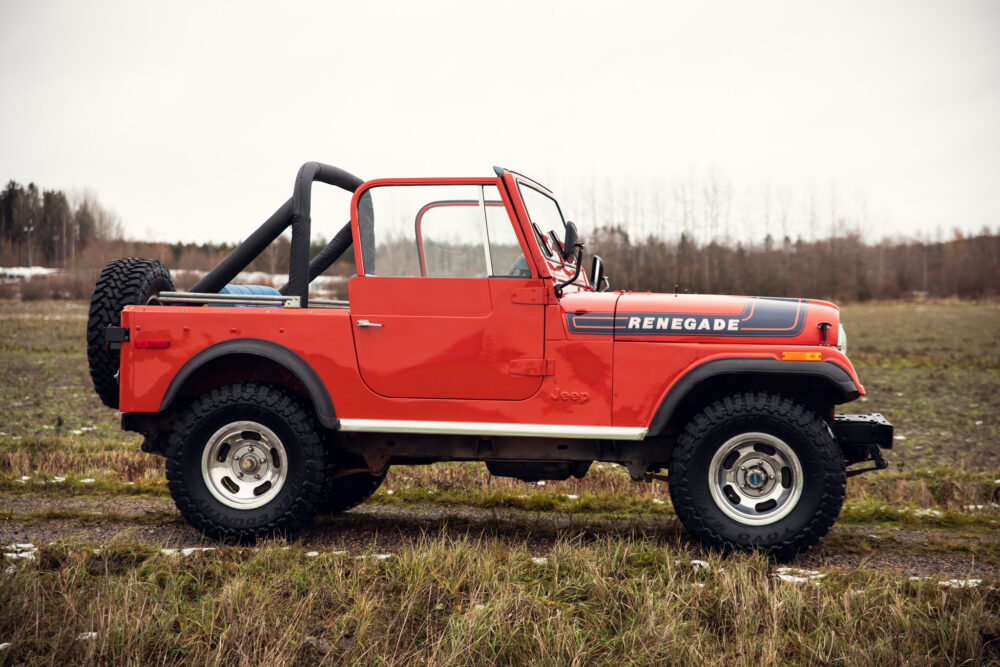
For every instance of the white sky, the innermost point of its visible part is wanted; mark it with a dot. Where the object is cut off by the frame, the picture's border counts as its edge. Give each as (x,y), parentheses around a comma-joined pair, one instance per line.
(190,119)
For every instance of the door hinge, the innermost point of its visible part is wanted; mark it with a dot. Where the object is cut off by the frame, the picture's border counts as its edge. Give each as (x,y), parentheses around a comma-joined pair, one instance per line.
(114,337)
(533,296)
(533,367)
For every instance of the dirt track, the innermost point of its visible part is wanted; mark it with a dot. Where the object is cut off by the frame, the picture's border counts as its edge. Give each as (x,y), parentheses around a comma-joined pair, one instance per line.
(40,519)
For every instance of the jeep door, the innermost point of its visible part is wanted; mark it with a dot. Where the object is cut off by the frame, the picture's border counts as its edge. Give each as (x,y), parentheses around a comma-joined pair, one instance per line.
(438,307)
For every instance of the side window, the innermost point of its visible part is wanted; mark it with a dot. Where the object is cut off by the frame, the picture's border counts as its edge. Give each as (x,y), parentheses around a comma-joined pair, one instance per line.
(441,231)
(505,252)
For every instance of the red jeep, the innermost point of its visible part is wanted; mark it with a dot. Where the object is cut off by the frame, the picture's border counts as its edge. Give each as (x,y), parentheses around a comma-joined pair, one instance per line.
(471,333)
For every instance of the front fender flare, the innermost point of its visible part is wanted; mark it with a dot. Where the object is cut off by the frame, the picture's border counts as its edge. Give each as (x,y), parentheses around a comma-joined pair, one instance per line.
(291,361)
(830,372)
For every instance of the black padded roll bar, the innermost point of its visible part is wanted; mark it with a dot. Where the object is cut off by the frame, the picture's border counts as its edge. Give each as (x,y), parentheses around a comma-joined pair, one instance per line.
(330,253)
(298,262)
(294,212)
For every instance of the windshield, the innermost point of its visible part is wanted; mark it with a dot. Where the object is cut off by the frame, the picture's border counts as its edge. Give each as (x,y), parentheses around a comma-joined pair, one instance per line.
(545,217)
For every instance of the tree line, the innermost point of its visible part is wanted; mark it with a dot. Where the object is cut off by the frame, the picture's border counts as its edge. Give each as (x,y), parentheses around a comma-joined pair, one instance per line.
(80,233)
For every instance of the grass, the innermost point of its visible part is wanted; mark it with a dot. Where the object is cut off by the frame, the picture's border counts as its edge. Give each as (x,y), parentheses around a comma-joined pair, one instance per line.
(451,602)
(615,596)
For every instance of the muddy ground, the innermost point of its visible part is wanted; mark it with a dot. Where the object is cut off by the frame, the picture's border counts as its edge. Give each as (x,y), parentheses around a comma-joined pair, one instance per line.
(40,519)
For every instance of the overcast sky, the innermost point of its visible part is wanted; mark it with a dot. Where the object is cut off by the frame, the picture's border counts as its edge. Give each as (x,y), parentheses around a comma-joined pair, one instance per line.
(190,119)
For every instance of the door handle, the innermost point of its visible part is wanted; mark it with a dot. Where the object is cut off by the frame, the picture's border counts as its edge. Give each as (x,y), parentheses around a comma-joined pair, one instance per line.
(366,323)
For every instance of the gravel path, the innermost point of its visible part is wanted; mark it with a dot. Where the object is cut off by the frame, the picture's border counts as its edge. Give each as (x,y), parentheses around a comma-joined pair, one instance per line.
(909,552)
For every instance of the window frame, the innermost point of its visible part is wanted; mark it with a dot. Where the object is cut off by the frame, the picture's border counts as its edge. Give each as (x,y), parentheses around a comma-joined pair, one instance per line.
(505,200)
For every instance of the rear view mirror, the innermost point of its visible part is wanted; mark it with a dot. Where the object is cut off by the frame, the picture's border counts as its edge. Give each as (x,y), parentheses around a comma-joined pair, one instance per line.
(572,238)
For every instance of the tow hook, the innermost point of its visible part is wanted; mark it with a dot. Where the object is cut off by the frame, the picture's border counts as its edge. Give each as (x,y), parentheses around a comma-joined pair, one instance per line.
(873,455)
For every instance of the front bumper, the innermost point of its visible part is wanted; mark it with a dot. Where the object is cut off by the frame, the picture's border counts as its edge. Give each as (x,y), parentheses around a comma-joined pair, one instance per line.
(860,437)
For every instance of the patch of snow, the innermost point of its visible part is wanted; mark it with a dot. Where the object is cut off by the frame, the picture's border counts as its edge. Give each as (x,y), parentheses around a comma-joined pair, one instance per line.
(798,575)
(24,550)
(864,399)
(927,512)
(312,554)
(572,496)
(899,393)
(58,480)
(699,564)
(899,437)
(89,480)
(187,551)
(339,553)
(376,557)
(86,636)
(700,585)
(88,428)
(973,508)
(479,607)
(540,482)
(76,431)
(979,422)
(658,501)
(960,583)
(388,492)
(24,272)
(128,483)
(539,560)
(191,550)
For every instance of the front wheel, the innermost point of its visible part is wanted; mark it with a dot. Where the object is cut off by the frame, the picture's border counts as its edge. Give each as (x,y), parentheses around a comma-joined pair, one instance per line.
(757,471)
(246,460)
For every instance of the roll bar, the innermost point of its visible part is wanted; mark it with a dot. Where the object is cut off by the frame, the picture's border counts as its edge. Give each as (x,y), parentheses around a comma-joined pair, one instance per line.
(294,213)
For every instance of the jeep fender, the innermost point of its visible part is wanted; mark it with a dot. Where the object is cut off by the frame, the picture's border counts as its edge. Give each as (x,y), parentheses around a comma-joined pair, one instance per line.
(828,372)
(289,360)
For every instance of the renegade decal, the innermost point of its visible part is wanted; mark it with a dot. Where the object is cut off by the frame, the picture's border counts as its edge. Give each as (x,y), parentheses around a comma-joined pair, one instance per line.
(761,316)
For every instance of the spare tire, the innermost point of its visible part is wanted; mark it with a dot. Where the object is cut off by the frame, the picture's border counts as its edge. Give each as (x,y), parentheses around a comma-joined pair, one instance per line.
(123,282)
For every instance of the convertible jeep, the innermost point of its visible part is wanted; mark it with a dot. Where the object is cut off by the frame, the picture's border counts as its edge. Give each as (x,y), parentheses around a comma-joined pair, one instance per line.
(471,331)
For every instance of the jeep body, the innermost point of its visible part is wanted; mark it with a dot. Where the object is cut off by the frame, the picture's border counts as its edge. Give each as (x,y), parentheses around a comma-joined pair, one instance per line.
(470,332)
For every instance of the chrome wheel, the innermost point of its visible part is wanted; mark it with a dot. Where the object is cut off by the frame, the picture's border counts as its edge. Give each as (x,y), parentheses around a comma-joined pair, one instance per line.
(755,478)
(244,465)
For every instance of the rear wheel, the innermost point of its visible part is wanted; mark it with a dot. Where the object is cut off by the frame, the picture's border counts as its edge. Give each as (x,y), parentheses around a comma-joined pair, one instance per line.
(757,471)
(246,460)
(123,282)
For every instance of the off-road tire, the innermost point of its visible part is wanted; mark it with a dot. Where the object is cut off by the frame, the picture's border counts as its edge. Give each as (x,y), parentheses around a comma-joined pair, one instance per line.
(343,493)
(809,437)
(301,494)
(123,282)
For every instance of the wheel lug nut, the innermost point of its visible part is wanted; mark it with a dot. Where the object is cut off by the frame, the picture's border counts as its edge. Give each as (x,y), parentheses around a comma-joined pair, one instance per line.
(240,475)
(256,476)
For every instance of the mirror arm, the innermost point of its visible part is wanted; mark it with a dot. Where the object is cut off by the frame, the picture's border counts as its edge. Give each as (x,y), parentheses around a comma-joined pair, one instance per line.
(576,274)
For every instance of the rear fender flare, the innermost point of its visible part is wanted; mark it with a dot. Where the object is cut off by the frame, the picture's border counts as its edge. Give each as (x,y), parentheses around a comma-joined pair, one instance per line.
(292,362)
(833,374)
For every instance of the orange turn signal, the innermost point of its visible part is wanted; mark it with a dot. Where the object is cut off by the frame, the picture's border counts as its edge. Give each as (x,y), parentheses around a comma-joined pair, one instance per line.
(802,356)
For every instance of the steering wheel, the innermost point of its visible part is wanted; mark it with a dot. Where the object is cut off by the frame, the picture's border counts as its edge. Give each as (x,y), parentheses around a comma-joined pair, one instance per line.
(520,268)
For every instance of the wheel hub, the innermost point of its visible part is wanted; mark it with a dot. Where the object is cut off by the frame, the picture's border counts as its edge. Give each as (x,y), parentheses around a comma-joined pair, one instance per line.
(244,465)
(755,478)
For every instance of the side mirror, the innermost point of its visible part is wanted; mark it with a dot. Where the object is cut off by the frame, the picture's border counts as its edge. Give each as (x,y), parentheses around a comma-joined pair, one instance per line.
(572,238)
(597,278)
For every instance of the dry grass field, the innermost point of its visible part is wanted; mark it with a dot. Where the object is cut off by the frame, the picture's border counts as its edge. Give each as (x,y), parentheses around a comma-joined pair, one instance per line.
(446,565)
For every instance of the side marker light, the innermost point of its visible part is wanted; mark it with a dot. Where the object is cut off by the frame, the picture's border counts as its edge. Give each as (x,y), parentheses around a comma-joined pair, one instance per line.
(152,344)
(802,356)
